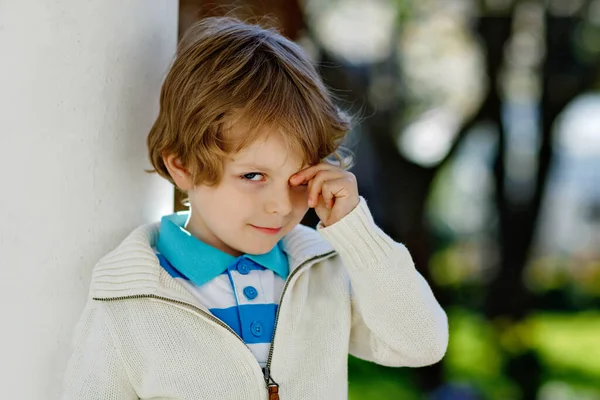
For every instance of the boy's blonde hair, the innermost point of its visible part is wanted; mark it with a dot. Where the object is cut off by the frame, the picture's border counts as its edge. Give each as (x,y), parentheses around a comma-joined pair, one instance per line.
(228,71)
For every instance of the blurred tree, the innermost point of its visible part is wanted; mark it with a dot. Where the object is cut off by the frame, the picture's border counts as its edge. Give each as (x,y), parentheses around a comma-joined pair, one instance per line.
(397,187)
(565,74)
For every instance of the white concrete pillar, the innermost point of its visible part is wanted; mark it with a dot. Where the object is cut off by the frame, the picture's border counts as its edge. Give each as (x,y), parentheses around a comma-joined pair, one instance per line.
(79,86)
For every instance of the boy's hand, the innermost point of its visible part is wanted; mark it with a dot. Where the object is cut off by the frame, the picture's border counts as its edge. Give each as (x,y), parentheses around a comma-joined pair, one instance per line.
(332,192)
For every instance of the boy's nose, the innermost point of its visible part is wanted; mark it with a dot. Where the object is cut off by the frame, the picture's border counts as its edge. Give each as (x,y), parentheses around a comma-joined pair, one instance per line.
(278,203)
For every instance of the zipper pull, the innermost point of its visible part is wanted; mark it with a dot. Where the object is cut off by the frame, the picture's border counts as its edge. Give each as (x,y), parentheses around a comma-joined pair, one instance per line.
(272,386)
(273,392)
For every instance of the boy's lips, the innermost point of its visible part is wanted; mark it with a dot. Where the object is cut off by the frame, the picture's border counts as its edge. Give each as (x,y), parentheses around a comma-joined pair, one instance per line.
(270,231)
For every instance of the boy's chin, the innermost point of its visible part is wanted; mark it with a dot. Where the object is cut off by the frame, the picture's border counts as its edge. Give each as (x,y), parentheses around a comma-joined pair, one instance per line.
(259,248)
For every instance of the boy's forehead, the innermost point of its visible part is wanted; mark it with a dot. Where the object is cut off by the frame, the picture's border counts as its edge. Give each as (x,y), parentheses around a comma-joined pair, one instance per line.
(268,148)
(269,152)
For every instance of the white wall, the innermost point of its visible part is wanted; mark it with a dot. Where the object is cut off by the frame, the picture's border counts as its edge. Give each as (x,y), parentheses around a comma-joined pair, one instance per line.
(79,85)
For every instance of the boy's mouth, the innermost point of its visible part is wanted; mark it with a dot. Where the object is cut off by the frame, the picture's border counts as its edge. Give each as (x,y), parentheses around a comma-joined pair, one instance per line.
(269,231)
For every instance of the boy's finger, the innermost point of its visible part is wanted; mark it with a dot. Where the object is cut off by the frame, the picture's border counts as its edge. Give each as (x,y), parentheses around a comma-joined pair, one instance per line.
(309,189)
(327,195)
(316,184)
(309,173)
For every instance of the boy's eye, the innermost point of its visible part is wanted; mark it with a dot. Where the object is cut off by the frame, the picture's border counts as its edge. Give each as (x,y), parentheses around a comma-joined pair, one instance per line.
(253,176)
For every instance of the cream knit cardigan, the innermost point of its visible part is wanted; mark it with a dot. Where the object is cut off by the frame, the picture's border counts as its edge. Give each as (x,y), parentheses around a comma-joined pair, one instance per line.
(351,289)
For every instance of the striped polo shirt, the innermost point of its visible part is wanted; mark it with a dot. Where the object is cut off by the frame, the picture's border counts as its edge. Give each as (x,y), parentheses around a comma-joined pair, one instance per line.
(243,292)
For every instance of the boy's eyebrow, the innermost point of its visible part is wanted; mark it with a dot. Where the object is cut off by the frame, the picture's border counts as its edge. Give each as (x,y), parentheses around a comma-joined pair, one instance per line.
(254,166)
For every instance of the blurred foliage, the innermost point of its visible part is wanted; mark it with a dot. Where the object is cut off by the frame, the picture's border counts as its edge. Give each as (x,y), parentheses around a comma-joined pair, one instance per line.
(568,346)
(368,381)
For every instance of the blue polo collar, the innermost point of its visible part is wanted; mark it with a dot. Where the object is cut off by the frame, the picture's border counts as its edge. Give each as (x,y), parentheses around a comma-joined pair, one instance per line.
(200,262)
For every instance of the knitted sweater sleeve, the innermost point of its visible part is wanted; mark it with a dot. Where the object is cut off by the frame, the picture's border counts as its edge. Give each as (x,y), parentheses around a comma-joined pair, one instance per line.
(95,370)
(396,320)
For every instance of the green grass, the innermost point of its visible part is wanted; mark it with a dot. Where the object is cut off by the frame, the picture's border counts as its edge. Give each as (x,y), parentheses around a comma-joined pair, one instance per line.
(568,344)
(369,381)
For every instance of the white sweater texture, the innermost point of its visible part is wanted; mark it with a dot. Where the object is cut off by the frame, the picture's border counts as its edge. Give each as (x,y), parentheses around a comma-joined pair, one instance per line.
(351,290)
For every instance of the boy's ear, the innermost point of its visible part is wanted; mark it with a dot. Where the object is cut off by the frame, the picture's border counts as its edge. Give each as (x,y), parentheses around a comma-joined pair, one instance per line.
(178,172)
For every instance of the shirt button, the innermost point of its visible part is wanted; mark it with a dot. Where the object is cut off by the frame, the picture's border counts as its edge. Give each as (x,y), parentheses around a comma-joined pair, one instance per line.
(243,268)
(250,292)
(256,328)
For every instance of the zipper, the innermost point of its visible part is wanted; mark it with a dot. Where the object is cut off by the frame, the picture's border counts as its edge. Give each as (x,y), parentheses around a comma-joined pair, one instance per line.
(272,386)
(178,302)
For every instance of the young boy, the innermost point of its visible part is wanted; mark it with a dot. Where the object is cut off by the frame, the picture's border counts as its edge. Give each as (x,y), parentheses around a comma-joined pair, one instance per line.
(235,299)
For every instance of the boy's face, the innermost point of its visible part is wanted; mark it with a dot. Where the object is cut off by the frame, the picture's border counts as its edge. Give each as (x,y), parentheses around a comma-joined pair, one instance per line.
(253,206)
